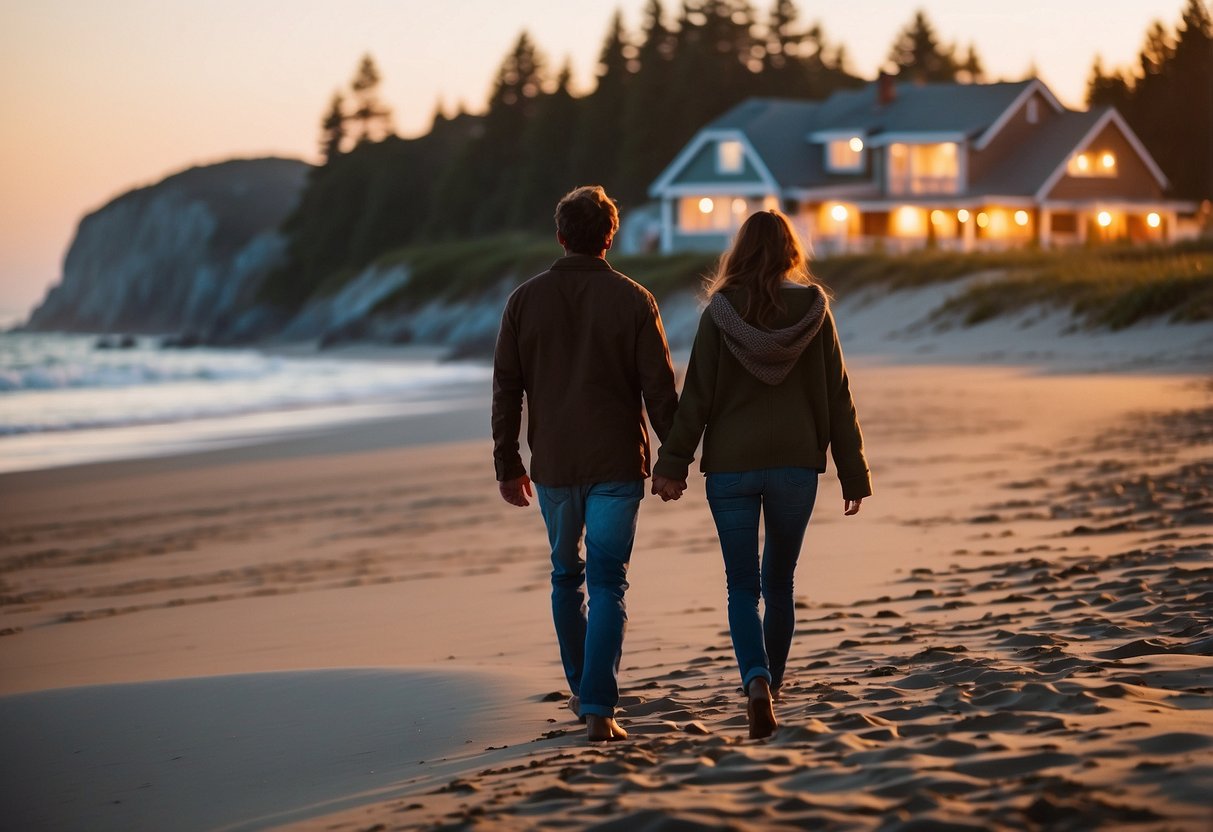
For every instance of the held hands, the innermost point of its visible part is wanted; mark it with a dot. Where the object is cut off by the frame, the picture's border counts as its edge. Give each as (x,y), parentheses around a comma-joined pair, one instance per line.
(850,507)
(668,489)
(516,491)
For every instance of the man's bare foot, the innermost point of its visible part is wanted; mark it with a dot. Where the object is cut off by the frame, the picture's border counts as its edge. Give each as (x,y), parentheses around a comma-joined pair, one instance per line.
(759,712)
(603,729)
(574,704)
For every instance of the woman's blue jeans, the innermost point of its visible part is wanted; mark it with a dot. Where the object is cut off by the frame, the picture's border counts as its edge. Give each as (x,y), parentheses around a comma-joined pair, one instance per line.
(784,497)
(591,645)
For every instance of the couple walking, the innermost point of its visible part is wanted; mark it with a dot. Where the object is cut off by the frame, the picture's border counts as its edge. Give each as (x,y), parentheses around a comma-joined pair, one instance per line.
(766,389)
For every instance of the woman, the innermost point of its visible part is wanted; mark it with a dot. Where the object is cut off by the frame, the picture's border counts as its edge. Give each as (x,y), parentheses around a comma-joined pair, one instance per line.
(766,380)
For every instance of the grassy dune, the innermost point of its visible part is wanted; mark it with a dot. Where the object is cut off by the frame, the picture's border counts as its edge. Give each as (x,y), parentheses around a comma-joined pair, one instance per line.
(1110,287)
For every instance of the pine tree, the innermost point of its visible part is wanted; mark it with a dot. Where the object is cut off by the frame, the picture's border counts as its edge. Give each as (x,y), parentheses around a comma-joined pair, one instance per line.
(650,141)
(1106,90)
(970,69)
(596,149)
(546,157)
(919,55)
(332,129)
(374,117)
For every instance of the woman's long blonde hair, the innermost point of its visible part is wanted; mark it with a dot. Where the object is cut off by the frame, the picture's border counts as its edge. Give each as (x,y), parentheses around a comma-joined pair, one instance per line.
(765,253)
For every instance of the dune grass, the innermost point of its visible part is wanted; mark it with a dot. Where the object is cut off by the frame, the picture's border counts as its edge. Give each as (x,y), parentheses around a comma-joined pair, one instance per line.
(1110,287)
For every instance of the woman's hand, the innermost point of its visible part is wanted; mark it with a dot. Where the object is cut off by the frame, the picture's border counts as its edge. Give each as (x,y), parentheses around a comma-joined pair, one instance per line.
(850,507)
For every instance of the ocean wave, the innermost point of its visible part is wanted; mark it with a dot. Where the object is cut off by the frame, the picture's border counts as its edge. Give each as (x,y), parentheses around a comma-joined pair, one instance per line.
(61,383)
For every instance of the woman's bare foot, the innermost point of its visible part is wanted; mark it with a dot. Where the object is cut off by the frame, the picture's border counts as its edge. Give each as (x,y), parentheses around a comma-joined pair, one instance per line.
(603,729)
(574,704)
(759,711)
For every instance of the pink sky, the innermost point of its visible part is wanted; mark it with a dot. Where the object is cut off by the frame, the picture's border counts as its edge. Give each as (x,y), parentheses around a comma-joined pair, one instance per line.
(102,97)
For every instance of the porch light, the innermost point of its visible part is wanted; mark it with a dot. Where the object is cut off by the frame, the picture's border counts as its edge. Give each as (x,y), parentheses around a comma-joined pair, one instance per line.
(1108,161)
(706,205)
(1021,217)
(963,215)
(1153,220)
(839,213)
(739,206)
(856,144)
(983,220)
(1104,219)
(1083,162)
(937,217)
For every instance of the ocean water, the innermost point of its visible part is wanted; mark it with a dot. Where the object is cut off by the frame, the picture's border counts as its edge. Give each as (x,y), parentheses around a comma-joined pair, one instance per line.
(65,401)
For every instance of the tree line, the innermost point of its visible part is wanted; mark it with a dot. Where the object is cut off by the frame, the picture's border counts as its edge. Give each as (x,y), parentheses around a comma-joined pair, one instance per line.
(473,175)
(1168,99)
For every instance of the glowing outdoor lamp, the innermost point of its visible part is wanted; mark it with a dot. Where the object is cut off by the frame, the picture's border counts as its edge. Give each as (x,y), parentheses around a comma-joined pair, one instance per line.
(1083,162)
(963,215)
(1108,161)
(1104,219)
(706,205)
(856,144)
(983,220)
(936,217)
(1021,217)
(739,206)
(1153,220)
(839,213)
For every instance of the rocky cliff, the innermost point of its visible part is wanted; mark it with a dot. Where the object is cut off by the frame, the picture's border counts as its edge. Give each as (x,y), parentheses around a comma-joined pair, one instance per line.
(183,255)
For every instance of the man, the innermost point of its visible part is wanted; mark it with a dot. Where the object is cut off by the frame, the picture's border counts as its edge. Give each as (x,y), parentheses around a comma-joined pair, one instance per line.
(585,345)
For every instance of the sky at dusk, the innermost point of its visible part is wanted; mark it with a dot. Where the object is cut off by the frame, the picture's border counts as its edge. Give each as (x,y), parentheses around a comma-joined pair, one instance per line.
(105,96)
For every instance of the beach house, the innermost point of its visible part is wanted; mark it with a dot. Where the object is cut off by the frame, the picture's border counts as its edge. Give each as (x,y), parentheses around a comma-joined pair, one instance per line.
(898,165)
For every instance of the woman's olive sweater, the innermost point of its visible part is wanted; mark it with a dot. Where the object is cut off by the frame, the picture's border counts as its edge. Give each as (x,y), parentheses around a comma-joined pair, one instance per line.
(751,424)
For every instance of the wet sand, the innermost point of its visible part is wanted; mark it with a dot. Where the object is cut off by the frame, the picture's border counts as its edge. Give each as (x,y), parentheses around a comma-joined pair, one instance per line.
(1014,633)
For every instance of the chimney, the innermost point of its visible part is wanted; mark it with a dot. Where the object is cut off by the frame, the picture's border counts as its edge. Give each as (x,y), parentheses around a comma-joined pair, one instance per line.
(886,89)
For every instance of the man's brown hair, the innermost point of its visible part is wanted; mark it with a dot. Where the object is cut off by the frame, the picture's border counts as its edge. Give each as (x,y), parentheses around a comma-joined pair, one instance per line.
(587,219)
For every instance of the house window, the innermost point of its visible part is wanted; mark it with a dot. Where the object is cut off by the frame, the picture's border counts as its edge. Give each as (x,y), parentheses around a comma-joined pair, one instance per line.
(1033,110)
(699,214)
(730,157)
(845,155)
(924,168)
(1092,163)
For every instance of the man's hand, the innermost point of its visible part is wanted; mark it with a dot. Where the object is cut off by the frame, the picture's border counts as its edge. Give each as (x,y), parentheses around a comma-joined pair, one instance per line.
(850,507)
(516,491)
(668,489)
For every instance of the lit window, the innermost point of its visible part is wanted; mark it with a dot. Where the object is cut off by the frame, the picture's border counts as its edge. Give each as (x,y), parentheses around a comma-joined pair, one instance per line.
(770,203)
(845,155)
(708,214)
(924,168)
(1102,163)
(729,157)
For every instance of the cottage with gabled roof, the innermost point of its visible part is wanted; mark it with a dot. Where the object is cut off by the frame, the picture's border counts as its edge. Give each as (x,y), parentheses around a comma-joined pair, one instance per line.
(903,165)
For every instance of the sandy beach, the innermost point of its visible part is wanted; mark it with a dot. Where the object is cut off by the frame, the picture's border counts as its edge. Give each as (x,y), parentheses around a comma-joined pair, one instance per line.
(350,630)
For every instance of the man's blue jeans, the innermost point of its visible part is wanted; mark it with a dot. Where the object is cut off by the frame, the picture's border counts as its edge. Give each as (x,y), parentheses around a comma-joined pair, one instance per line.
(591,645)
(784,497)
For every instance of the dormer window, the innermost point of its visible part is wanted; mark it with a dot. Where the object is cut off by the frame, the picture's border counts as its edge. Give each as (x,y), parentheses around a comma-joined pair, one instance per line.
(845,155)
(1092,164)
(730,158)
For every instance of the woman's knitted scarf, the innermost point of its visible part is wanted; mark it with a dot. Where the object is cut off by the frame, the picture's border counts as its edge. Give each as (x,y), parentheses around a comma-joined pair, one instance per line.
(768,355)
